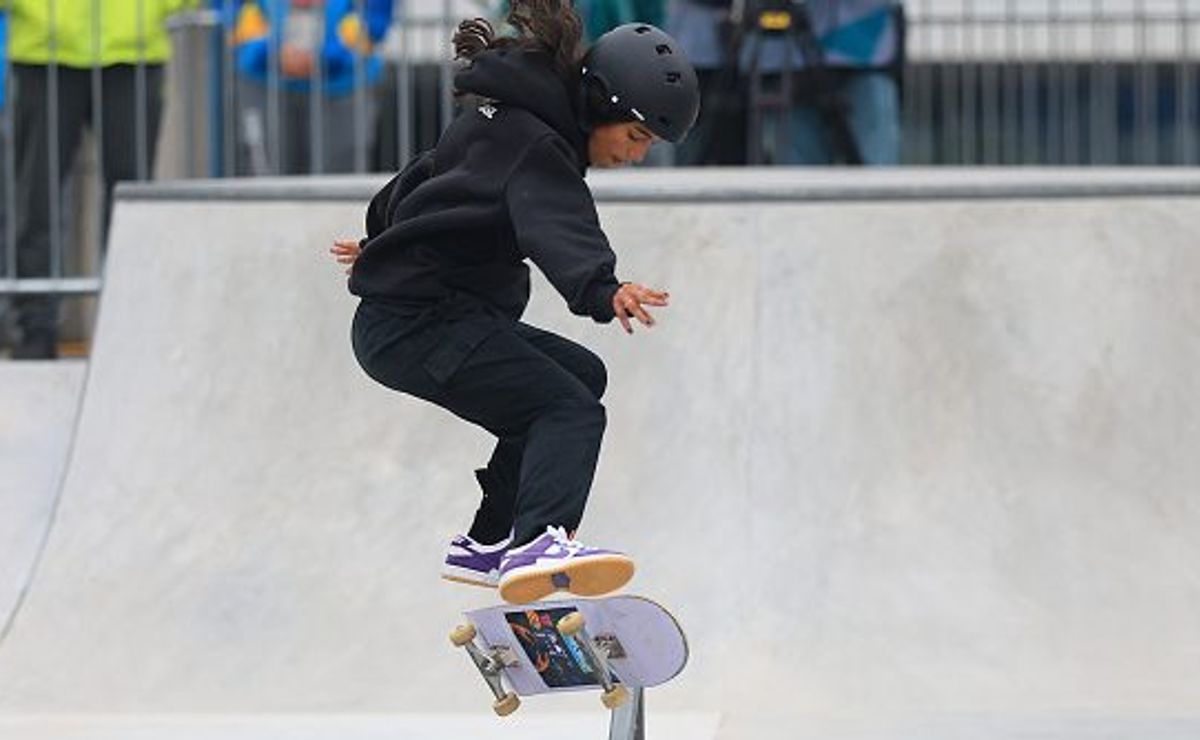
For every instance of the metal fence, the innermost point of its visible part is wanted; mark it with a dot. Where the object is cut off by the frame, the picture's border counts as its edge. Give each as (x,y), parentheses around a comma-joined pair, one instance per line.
(1089,82)
(987,82)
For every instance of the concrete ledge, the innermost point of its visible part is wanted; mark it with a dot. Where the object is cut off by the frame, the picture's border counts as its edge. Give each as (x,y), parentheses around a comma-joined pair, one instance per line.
(540,725)
(733,185)
(525,725)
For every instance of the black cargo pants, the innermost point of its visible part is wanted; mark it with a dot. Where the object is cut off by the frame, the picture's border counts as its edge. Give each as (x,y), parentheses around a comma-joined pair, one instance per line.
(537,392)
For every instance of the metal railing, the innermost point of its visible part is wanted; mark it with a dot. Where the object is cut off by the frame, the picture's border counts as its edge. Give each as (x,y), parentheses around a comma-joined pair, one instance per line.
(1089,82)
(987,82)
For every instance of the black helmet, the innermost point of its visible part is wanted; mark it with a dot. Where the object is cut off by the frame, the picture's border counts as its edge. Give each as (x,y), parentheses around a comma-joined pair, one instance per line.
(645,76)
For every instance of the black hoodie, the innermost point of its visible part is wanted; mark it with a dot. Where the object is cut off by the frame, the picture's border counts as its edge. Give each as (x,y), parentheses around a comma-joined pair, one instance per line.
(505,183)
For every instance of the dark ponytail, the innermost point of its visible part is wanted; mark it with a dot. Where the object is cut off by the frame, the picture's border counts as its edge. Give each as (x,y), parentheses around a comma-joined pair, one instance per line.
(549,26)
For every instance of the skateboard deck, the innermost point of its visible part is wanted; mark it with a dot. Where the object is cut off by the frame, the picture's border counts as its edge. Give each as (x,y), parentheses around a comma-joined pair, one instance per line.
(573,644)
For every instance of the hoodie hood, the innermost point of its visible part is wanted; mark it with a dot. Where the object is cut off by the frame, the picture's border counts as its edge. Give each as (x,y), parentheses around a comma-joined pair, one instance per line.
(525,79)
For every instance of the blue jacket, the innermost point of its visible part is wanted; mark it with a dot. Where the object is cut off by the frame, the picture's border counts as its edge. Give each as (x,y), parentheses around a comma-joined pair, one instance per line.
(260,27)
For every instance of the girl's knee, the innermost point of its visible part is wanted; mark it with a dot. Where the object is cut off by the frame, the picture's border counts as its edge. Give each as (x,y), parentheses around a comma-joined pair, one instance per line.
(594,375)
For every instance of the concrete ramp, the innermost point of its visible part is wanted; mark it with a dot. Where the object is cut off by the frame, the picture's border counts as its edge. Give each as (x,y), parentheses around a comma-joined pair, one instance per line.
(911,454)
(38,404)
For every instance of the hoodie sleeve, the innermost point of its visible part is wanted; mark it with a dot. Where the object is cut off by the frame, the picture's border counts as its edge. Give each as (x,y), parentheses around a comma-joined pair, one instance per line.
(380,212)
(555,223)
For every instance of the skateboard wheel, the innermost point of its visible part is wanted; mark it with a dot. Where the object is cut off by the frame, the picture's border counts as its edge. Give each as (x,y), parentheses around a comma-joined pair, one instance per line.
(571,624)
(507,705)
(462,634)
(615,698)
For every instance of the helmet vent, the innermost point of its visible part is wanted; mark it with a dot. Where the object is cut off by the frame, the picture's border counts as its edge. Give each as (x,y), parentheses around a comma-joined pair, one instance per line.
(673,78)
(642,29)
(662,49)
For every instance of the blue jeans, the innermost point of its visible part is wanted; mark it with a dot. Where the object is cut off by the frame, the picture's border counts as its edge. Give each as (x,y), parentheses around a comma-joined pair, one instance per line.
(873,103)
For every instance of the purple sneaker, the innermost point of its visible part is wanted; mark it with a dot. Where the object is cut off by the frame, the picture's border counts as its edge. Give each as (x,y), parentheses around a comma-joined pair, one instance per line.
(468,561)
(554,562)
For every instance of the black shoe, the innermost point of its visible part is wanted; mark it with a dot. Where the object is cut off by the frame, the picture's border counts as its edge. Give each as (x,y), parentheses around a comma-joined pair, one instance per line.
(37,345)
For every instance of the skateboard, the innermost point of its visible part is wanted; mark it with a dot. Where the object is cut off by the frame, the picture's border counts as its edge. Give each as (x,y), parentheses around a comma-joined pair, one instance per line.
(614,644)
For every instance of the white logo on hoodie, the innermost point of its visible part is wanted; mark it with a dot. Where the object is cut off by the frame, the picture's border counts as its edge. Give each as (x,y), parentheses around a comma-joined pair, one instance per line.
(488,110)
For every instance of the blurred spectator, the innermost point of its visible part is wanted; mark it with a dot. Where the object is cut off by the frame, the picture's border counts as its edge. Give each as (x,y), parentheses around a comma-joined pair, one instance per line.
(5,148)
(286,51)
(53,48)
(719,136)
(846,93)
(843,57)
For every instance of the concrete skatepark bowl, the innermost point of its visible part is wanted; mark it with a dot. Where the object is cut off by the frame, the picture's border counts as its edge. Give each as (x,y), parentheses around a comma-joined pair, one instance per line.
(912,455)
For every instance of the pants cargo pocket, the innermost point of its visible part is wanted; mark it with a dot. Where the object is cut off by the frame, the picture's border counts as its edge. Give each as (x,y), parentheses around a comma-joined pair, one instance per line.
(462,339)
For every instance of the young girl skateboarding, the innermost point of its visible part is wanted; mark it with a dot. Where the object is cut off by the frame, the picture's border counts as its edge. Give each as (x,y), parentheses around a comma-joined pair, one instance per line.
(443,276)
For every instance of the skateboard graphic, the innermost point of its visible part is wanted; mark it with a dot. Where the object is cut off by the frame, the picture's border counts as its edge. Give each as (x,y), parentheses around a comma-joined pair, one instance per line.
(613,644)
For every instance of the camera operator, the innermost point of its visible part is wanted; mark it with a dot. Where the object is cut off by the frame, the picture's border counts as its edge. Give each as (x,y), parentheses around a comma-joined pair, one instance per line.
(821,87)
(702,28)
(841,101)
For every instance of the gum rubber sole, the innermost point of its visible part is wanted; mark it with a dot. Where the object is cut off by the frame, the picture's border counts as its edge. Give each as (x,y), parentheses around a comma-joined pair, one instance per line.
(467,577)
(593,576)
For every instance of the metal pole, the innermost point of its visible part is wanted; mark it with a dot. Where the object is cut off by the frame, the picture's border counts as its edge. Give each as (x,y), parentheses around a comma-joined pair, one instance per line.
(1054,113)
(189,102)
(53,153)
(1030,105)
(316,98)
(1011,101)
(1070,92)
(1100,62)
(951,122)
(923,105)
(404,144)
(444,75)
(968,153)
(229,117)
(629,720)
(10,170)
(360,92)
(141,126)
(98,215)
(1185,112)
(990,92)
(274,126)
(1146,105)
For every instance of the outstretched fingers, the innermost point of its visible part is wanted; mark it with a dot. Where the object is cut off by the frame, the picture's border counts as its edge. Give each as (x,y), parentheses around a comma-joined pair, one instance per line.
(629,303)
(345,252)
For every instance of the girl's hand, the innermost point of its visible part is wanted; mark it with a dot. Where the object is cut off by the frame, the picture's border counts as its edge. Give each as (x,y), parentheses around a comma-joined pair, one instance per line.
(629,301)
(345,252)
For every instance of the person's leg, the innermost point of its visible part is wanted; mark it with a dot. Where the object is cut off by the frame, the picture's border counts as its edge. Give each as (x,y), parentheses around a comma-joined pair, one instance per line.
(874,102)
(254,151)
(295,141)
(808,137)
(40,179)
(501,478)
(130,118)
(482,370)
(339,135)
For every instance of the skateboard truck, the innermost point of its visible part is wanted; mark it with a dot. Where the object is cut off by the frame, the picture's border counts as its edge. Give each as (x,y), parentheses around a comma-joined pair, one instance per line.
(598,652)
(491,665)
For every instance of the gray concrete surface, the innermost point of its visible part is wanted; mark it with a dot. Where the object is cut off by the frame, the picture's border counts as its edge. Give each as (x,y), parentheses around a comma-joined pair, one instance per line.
(898,463)
(38,405)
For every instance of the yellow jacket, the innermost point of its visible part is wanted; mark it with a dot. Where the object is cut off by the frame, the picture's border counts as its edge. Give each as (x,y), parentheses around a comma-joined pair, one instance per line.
(130,31)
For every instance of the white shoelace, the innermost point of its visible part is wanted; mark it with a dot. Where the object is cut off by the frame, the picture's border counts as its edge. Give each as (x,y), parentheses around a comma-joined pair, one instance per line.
(562,540)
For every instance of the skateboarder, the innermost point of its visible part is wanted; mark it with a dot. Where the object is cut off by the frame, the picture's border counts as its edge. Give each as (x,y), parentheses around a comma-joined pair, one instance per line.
(443,278)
